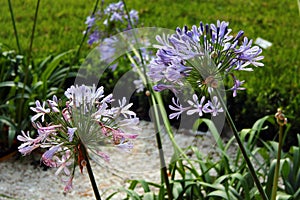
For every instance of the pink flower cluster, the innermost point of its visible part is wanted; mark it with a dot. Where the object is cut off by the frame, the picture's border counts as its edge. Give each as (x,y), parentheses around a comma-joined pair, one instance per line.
(87,119)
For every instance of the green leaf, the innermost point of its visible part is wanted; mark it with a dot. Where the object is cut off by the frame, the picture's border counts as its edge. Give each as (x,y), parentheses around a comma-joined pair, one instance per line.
(130,193)
(161,194)
(242,179)
(13,84)
(269,182)
(51,64)
(177,189)
(203,165)
(50,67)
(111,196)
(133,184)
(219,193)
(212,129)
(296,195)
(7,197)
(149,196)
(258,127)
(190,190)
(144,185)
(283,196)
(285,169)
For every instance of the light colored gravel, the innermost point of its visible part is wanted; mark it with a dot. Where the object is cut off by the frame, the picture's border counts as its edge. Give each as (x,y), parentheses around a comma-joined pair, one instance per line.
(21,180)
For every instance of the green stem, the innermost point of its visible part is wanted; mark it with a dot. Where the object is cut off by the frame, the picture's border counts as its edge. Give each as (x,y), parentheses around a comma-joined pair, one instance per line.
(159,100)
(90,172)
(27,64)
(276,176)
(143,75)
(242,148)
(33,30)
(160,149)
(134,35)
(167,124)
(77,54)
(14,25)
(155,96)
(298,1)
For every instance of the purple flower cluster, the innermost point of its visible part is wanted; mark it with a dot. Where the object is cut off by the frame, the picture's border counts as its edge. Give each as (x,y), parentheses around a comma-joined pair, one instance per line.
(115,12)
(87,118)
(207,50)
(113,16)
(178,52)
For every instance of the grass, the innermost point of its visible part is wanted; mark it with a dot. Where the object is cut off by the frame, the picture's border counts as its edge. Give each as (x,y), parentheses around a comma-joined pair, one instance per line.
(59,27)
(61,23)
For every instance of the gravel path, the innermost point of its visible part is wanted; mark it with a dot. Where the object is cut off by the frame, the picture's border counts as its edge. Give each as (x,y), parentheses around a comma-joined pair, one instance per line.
(20,179)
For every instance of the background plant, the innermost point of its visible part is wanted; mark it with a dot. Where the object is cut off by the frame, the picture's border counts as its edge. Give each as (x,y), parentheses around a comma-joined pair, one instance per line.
(225,176)
(24,78)
(259,19)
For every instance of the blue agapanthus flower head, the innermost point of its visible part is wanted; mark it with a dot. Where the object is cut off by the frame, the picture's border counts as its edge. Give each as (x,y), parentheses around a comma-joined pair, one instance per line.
(208,53)
(178,54)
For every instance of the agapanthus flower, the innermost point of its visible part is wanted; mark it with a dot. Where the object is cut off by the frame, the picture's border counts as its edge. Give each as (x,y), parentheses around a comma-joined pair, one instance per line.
(87,120)
(178,108)
(40,111)
(196,107)
(213,107)
(90,21)
(94,37)
(205,55)
(190,50)
(237,86)
(113,16)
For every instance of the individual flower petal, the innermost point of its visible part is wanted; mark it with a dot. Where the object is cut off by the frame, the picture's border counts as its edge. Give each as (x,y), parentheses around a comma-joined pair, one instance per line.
(64,163)
(90,21)
(139,86)
(236,87)
(48,155)
(40,110)
(71,132)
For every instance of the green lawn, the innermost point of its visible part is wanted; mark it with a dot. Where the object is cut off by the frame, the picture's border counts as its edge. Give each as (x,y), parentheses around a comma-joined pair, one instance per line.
(59,27)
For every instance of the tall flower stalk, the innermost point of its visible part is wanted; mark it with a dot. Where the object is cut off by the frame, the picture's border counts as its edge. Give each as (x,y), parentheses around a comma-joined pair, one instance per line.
(243,150)
(117,18)
(27,64)
(85,123)
(281,121)
(76,57)
(153,102)
(14,26)
(204,56)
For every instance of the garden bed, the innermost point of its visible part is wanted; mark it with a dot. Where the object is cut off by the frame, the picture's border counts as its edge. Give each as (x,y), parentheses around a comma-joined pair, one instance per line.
(22,179)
